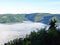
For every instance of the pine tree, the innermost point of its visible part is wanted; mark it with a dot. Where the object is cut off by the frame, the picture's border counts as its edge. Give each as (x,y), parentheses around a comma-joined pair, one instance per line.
(53,23)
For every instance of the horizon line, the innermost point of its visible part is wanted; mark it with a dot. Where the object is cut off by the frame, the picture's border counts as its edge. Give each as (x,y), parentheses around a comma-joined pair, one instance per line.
(30,13)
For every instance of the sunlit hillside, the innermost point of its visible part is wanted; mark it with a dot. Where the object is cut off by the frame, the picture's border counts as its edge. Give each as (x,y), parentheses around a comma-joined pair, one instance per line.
(34,17)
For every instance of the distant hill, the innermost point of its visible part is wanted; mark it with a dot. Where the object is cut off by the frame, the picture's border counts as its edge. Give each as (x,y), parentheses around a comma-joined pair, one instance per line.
(34,17)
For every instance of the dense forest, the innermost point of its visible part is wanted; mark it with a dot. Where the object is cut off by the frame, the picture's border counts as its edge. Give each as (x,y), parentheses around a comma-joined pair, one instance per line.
(41,37)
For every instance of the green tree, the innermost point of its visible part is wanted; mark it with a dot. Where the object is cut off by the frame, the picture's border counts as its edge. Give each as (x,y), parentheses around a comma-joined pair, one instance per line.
(53,23)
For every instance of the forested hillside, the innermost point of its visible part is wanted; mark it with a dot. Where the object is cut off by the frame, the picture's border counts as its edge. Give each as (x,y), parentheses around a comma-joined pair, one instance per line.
(34,17)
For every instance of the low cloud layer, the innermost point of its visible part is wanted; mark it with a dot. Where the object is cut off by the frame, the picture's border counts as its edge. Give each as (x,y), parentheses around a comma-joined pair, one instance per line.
(12,31)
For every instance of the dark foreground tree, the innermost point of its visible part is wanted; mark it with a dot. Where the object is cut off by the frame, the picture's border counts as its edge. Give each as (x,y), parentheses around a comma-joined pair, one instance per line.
(52,23)
(42,37)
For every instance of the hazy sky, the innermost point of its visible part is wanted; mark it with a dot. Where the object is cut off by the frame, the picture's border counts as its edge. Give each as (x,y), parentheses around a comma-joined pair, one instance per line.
(29,6)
